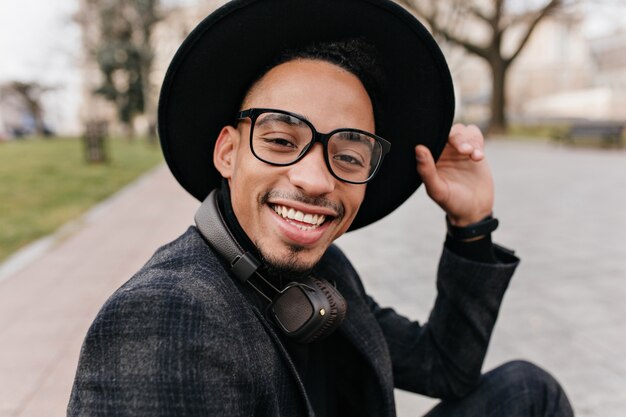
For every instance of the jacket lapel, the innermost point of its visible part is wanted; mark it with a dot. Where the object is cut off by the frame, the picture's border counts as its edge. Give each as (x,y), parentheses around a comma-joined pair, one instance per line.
(362,330)
(289,363)
(252,300)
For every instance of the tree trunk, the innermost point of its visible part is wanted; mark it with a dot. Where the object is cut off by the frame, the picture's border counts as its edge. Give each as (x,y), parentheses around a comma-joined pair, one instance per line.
(95,138)
(498,122)
(149,108)
(40,126)
(129,130)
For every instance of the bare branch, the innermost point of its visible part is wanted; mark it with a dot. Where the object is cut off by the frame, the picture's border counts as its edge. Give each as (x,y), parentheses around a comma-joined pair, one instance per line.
(481,51)
(514,20)
(475,11)
(553,4)
(433,21)
(415,7)
(497,15)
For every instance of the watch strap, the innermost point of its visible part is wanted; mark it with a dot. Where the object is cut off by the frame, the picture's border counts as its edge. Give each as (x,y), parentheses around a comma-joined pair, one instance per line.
(474,230)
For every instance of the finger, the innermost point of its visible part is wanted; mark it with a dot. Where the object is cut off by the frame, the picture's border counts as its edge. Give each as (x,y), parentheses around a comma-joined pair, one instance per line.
(436,187)
(467,140)
(478,141)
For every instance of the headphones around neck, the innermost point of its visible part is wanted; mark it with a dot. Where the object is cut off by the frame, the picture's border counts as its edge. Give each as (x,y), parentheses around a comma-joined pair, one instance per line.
(305,311)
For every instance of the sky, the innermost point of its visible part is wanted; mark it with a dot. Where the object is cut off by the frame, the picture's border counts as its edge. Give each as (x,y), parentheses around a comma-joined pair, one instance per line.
(37,38)
(40,42)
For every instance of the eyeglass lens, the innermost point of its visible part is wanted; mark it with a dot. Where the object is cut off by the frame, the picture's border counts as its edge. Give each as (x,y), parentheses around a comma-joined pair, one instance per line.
(280,138)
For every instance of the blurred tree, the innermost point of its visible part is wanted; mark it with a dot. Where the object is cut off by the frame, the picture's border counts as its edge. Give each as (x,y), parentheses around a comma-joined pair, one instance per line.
(489,21)
(28,95)
(124,53)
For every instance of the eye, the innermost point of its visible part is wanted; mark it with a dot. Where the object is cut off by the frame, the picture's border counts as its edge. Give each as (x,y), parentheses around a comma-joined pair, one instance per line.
(280,142)
(348,159)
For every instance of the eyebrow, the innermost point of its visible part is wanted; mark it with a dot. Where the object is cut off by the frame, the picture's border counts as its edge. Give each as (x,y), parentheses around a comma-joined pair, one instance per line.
(356,137)
(280,117)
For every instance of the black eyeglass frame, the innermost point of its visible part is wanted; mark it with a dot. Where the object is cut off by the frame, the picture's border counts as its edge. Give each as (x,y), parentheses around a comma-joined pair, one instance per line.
(255,112)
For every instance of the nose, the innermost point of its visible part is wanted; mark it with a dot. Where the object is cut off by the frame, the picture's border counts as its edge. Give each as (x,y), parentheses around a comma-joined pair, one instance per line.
(311,174)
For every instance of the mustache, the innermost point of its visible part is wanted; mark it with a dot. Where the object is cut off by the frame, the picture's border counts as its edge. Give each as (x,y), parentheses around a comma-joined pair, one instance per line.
(303,198)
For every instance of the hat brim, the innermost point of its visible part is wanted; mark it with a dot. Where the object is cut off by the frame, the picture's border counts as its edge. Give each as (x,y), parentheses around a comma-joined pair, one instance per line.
(224,54)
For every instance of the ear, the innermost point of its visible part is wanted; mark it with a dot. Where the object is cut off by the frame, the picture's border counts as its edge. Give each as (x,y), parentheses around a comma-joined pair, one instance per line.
(225,151)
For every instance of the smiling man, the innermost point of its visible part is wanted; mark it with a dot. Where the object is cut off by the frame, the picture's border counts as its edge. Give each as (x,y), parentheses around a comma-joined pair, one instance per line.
(294,122)
(325,97)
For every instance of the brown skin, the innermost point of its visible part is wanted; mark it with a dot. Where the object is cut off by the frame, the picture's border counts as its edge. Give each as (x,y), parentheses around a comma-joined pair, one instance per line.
(460,182)
(332,98)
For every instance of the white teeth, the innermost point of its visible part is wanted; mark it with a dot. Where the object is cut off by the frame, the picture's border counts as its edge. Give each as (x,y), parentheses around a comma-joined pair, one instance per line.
(305,228)
(291,214)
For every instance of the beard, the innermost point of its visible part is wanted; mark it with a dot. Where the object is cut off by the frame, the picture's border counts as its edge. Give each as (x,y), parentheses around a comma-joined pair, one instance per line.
(291,268)
(287,268)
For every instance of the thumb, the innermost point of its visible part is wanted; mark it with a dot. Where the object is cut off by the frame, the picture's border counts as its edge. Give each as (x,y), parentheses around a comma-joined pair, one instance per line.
(435,185)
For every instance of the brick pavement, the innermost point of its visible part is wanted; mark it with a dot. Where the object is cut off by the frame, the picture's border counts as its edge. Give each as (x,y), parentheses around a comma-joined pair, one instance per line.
(562,209)
(46,308)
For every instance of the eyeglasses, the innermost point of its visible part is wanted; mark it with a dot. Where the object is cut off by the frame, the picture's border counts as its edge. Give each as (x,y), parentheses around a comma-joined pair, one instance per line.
(282,138)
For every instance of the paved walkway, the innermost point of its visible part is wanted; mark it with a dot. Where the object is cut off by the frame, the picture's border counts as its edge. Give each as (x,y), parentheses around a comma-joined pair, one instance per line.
(562,209)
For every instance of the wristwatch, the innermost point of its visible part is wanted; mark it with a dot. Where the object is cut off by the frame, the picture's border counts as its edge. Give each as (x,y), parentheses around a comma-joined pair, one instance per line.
(480,228)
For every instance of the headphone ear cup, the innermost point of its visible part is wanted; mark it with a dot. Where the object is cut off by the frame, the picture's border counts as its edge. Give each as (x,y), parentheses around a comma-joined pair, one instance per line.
(338,309)
(308,311)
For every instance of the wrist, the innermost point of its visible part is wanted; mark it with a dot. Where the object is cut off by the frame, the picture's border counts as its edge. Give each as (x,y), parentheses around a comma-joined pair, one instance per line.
(473,231)
(464,221)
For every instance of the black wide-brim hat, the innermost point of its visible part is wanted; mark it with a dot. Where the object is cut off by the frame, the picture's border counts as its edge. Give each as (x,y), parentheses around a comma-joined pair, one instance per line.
(225,53)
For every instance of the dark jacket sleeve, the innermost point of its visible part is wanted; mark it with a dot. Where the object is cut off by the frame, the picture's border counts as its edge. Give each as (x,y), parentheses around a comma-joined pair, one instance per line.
(136,358)
(443,358)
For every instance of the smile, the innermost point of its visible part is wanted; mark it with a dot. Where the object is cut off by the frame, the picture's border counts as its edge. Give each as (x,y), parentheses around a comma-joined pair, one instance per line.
(303,221)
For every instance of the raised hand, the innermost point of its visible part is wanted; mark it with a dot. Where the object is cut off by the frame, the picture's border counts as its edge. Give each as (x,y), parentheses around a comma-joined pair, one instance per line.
(460,182)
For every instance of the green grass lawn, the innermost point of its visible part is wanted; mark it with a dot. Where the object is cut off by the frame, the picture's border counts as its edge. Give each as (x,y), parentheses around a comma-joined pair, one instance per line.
(46,182)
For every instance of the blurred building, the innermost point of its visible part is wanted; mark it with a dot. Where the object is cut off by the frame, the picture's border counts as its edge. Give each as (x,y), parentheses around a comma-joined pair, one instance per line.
(601,97)
(17,115)
(9,117)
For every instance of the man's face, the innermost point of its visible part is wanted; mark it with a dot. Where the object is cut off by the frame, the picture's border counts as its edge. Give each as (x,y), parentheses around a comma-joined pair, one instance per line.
(280,208)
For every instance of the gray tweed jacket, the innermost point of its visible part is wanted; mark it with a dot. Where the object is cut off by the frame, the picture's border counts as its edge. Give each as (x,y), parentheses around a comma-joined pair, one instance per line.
(181,338)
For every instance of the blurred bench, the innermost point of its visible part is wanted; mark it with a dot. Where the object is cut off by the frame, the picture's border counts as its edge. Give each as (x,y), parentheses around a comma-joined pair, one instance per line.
(606,133)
